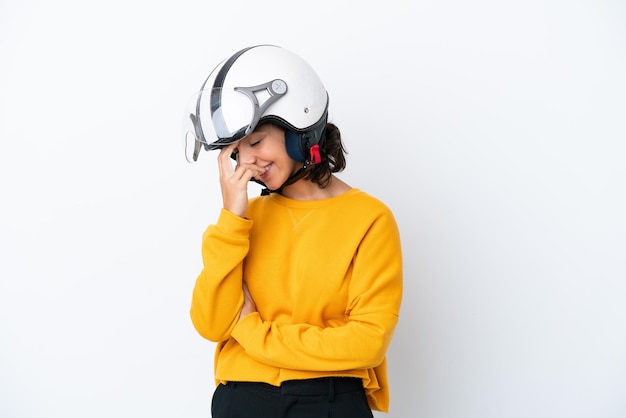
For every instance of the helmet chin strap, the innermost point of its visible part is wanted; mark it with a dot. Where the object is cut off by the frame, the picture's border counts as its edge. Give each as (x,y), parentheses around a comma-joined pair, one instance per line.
(297,175)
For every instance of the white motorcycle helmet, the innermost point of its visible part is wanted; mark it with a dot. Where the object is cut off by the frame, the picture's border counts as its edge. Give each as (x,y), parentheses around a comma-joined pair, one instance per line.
(256,85)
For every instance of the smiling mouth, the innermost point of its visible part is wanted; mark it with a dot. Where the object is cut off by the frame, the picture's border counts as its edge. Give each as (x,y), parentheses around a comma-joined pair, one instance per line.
(267,169)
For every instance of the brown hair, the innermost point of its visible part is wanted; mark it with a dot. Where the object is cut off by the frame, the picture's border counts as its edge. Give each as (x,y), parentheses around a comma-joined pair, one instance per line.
(333,156)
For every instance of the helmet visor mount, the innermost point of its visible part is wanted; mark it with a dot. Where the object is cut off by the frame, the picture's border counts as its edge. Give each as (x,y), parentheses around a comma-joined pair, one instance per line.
(219,117)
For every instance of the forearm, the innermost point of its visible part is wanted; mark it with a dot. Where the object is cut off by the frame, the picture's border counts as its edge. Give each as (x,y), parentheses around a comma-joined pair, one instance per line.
(359,344)
(217,295)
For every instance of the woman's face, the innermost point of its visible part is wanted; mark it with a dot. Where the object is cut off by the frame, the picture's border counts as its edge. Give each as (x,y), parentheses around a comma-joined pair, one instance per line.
(265,147)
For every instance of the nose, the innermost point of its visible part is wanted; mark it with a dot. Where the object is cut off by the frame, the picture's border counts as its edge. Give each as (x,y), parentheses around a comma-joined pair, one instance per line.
(245,156)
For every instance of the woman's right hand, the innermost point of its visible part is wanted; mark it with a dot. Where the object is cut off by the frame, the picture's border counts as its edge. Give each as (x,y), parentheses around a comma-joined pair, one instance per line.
(248,303)
(234,180)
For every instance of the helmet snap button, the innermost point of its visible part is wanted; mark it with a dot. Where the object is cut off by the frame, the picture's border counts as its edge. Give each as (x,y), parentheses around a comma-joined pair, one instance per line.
(279,87)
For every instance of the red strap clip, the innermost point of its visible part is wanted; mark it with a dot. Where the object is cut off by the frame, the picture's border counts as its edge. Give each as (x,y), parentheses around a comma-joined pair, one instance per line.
(315,154)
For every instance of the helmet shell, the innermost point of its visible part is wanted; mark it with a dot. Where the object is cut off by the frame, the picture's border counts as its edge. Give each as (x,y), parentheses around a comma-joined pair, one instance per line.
(245,90)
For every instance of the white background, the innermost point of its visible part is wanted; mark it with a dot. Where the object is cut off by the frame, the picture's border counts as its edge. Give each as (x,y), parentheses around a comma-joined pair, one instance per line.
(494,130)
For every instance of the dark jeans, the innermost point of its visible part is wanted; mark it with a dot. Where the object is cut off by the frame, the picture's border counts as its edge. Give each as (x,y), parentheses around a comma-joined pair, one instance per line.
(313,398)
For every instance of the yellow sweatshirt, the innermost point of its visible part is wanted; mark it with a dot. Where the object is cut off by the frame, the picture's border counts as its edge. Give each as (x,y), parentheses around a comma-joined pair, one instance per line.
(326,277)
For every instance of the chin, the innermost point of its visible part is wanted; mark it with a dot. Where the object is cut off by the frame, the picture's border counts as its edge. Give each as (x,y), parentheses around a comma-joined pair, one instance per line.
(269,184)
(274,184)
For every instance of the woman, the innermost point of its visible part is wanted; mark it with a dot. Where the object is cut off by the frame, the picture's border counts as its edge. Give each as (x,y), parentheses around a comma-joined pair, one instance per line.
(301,287)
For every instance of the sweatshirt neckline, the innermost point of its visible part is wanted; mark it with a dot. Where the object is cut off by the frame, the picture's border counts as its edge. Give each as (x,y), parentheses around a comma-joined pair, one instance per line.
(312,203)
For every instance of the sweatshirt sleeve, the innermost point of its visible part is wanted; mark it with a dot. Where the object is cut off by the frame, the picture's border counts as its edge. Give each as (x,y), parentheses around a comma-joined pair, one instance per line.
(371,316)
(217,295)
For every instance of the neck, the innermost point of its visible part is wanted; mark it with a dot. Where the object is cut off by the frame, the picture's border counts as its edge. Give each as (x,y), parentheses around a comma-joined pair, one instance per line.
(307,190)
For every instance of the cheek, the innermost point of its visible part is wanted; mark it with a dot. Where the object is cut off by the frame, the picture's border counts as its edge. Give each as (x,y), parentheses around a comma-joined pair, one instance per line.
(265,152)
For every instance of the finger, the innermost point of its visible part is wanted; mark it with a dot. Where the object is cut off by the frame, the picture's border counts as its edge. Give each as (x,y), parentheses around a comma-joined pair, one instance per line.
(224,161)
(247,171)
(247,296)
(246,291)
